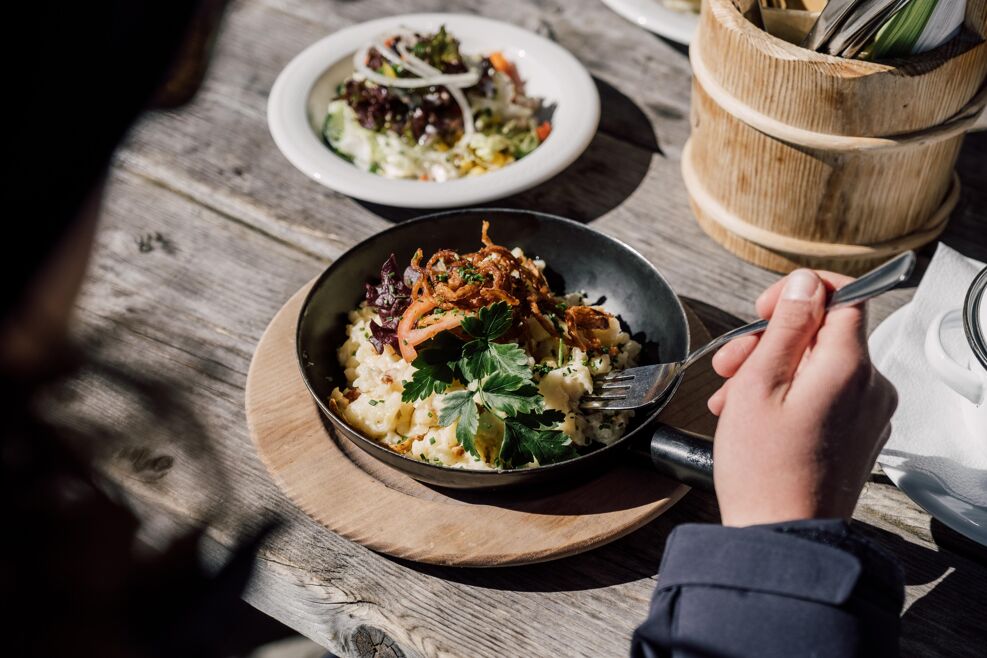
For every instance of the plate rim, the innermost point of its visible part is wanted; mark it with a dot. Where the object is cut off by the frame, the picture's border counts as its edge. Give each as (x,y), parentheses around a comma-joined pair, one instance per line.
(652,20)
(289,126)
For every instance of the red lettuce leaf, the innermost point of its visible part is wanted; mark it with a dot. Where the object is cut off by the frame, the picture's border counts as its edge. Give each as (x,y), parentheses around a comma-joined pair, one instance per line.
(389,298)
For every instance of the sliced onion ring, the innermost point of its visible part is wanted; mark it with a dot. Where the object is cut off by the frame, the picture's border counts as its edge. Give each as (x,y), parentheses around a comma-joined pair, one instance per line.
(450,80)
(429,76)
(424,68)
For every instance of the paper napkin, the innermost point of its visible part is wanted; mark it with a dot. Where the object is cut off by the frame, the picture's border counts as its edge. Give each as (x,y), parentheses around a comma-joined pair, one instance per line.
(929,435)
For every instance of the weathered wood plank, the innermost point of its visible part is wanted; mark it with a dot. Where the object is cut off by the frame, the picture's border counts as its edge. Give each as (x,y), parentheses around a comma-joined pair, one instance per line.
(194,334)
(219,153)
(218,150)
(142,316)
(241,230)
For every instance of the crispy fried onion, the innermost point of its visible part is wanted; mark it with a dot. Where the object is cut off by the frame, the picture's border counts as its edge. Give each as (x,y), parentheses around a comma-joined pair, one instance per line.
(451,285)
(582,321)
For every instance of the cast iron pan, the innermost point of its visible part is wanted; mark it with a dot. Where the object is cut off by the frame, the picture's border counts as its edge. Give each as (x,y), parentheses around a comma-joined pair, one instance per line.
(579,258)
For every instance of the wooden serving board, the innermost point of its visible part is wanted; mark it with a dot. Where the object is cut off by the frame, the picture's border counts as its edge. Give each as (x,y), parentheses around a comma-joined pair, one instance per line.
(367,502)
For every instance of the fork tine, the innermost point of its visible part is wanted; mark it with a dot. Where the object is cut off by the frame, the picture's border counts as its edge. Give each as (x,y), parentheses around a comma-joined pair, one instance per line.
(602,398)
(602,405)
(633,388)
(612,386)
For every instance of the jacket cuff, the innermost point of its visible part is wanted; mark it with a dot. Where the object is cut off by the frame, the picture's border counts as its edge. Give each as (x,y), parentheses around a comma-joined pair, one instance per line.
(817,560)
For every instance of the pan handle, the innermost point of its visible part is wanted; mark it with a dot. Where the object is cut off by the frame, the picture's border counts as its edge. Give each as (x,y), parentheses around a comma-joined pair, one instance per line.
(681,455)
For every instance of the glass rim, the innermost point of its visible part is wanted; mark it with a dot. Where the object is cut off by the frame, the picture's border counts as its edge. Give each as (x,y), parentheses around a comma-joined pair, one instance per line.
(976,333)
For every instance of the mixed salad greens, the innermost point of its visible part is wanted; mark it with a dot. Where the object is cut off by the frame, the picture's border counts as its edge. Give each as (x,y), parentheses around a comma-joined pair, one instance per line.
(417,107)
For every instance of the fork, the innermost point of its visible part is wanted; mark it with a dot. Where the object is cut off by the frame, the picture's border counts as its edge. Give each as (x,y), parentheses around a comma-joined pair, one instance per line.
(639,387)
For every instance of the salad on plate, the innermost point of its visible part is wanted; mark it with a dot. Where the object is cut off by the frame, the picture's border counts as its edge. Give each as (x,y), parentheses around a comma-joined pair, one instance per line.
(417,107)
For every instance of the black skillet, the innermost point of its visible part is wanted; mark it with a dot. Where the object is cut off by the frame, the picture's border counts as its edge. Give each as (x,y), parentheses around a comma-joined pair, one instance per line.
(578,258)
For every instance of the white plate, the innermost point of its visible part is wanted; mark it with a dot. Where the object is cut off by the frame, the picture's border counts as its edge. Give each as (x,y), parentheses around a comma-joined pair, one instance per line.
(298,100)
(653,16)
(921,485)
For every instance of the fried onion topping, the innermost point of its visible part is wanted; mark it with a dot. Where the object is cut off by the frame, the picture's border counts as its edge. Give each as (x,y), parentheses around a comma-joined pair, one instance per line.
(451,285)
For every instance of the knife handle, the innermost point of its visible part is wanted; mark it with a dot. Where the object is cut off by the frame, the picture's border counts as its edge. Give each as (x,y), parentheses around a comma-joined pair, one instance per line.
(678,454)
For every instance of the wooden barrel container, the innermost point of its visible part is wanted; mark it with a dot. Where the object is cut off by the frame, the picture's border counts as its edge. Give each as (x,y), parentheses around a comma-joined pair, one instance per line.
(799,159)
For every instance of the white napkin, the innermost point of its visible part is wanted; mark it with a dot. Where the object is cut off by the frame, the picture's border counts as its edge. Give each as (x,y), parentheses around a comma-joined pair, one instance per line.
(929,434)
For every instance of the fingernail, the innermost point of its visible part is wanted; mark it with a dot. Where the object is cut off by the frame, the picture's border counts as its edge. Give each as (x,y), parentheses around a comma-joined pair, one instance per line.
(800,286)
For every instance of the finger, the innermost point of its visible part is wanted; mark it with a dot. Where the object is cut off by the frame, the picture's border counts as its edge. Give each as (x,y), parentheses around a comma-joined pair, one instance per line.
(844,328)
(765,304)
(794,322)
(840,353)
(717,401)
(729,358)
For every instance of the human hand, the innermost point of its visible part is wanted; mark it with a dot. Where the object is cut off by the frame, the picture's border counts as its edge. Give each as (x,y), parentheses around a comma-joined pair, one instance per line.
(803,413)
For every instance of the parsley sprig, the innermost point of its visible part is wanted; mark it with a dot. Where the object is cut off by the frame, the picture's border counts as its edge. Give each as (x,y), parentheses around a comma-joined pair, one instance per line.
(498,380)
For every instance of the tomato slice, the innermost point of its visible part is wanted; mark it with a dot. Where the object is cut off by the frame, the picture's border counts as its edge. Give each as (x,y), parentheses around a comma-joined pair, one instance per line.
(543,131)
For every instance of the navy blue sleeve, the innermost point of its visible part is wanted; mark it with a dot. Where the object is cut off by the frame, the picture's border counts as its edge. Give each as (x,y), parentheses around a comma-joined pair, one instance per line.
(806,588)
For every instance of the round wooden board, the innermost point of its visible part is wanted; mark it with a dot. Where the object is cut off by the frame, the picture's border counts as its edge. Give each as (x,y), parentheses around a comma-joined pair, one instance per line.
(365,501)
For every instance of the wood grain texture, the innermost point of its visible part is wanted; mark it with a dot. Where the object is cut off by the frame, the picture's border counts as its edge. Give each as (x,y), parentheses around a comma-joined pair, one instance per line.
(787,178)
(378,507)
(241,231)
(837,96)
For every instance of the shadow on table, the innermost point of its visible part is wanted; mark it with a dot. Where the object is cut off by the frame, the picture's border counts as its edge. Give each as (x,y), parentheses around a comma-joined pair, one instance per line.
(948,620)
(625,560)
(608,172)
(171,430)
(967,229)
(681,48)
(628,559)
(716,320)
(945,621)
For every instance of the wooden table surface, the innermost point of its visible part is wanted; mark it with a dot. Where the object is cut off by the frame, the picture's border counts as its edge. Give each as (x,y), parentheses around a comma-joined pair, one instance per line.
(207,230)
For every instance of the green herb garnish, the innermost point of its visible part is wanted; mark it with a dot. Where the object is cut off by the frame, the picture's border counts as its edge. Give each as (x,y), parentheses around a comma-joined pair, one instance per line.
(459,406)
(470,275)
(498,380)
(541,369)
(528,437)
(439,50)
(434,369)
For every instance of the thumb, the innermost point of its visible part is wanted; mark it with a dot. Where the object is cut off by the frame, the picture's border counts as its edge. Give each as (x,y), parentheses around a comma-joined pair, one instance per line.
(793,325)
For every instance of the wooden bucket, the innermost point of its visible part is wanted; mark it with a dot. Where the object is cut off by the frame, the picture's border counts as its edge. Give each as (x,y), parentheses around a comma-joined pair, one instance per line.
(799,159)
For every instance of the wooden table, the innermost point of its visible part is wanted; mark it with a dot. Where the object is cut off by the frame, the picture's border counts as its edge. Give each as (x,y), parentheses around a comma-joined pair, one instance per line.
(208,230)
